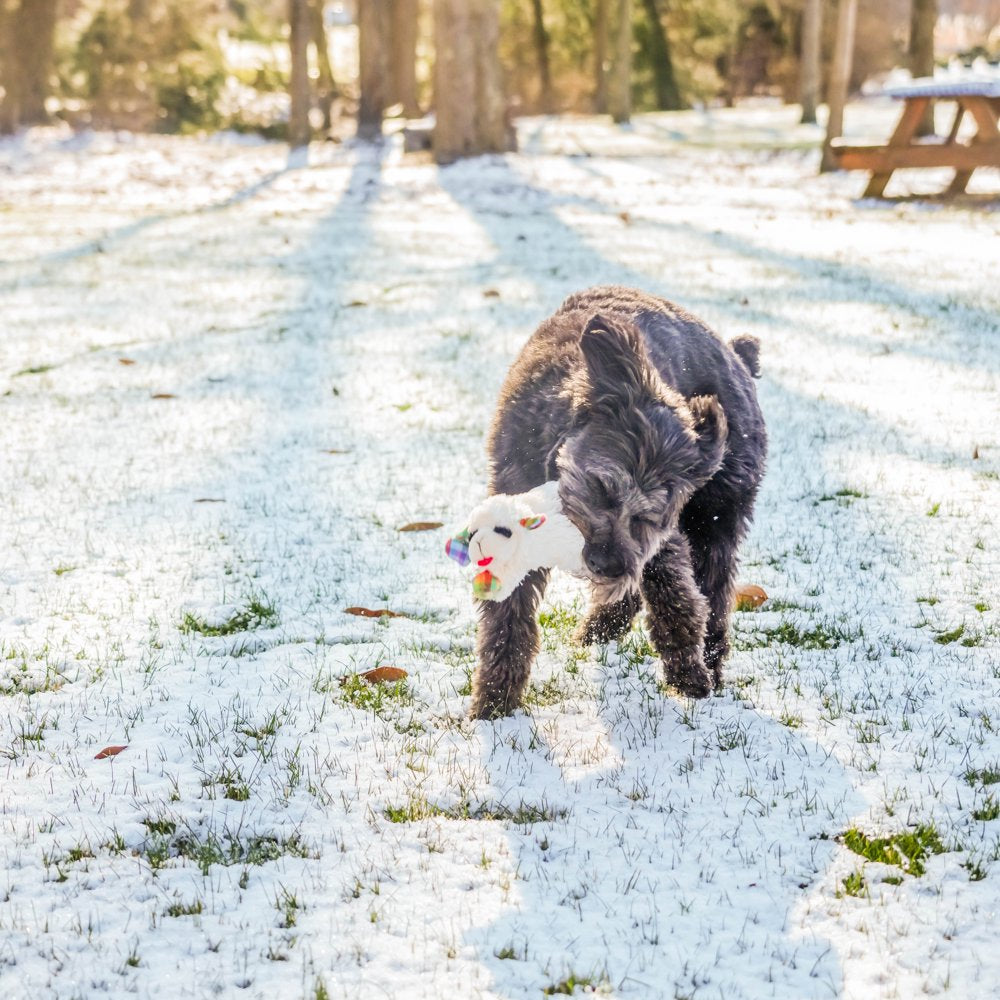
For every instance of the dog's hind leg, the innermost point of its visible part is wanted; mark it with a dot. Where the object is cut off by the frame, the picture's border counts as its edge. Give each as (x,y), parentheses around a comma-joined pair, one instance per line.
(714,540)
(608,622)
(507,646)
(677,616)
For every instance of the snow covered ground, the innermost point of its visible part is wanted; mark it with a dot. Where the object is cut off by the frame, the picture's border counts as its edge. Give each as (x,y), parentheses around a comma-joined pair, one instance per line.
(227,381)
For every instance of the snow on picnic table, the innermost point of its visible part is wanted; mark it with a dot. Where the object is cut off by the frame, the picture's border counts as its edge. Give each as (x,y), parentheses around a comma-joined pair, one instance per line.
(226,382)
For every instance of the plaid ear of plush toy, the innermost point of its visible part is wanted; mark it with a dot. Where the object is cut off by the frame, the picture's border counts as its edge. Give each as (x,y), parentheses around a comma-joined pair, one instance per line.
(457,548)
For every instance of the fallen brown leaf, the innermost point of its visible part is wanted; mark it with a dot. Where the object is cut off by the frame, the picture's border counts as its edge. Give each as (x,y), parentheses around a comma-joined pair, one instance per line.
(380,675)
(491,293)
(421,526)
(125,361)
(374,613)
(110,752)
(356,303)
(749,596)
(625,217)
(210,500)
(335,451)
(163,395)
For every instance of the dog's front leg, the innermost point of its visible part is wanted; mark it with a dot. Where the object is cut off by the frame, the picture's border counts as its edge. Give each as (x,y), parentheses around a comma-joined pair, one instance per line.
(508,644)
(677,617)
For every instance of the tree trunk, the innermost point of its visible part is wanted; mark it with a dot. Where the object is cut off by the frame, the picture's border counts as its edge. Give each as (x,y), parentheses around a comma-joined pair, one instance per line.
(602,22)
(373,58)
(620,85)
(923,18)
(468,86)
(298,119)
(840,75)
(403,65)
(26,62)
(326,84)
(668,97)
(812,34)
(541,39)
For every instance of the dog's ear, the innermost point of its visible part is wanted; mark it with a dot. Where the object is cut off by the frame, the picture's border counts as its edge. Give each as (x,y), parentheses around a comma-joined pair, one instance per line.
(712,429)
(618,371)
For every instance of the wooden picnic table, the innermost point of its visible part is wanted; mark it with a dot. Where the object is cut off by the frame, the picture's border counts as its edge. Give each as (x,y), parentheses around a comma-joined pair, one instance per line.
(977,98)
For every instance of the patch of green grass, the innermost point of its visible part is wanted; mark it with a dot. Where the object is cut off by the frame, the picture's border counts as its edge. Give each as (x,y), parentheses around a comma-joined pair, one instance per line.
(929,601)
(163,827)
(893,880)
(933,512)
(907,851)
(524,814)
(506,953)
(62,570)
(988,775)
(207,850)
(982,607)
(549,692)
(854,885)
(377,698)
(573,982)
(989,810)
(959,635)
(975,869)
(23,671)
(825,635)
(288,905)
(844,497)
(184,909)
(257,613)
(34,370)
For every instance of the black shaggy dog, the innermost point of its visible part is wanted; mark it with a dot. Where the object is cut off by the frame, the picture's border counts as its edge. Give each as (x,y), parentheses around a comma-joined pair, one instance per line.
(651,424)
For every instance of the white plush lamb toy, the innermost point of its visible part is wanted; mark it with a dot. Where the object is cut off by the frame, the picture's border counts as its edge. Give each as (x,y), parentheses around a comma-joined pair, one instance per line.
(507,536)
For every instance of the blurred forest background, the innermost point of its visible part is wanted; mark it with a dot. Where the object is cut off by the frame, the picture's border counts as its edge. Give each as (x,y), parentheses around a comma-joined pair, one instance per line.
(301,68)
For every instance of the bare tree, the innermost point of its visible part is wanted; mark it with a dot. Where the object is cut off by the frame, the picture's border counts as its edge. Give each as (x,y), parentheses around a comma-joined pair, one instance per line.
(812,35)
(541,39)
(923,18)
(27,35)
(840,75)
(620,88)
(298,120)
(326,85)
(403,62)
(602,22)
(468,88)
(668,97)
(373,57)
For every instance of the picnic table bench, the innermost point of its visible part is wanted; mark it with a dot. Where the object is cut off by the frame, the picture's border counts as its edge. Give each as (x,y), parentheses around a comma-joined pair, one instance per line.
(978,98)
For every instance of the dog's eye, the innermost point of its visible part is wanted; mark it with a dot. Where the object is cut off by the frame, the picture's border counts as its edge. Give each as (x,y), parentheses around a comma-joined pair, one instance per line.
(500,530)
(637,525)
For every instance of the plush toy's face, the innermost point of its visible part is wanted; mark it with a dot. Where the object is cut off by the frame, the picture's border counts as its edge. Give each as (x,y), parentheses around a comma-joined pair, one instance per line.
(491,543)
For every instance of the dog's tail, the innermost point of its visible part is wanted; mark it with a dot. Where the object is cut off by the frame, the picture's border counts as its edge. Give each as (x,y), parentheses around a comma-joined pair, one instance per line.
(747,349)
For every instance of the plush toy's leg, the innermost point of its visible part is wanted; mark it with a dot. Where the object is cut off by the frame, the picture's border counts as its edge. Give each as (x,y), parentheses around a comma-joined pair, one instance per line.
(507,646)
(607,622)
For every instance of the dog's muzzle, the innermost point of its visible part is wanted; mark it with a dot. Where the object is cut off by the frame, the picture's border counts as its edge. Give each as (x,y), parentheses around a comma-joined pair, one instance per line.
(604,561)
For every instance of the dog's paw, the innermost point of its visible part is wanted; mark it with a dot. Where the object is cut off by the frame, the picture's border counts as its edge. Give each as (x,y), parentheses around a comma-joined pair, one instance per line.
(685,670)
(608,622)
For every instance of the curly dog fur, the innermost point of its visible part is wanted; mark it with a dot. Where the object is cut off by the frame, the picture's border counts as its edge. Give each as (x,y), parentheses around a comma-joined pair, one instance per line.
(651,423)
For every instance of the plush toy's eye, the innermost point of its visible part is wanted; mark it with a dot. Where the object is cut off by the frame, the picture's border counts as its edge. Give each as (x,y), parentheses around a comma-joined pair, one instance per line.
(500,530)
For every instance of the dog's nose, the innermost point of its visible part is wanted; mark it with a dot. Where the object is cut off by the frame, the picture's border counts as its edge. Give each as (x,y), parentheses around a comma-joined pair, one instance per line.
(603,561)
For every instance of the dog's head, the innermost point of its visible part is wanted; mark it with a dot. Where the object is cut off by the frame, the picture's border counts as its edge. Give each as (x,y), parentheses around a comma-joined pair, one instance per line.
(636,452)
